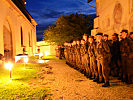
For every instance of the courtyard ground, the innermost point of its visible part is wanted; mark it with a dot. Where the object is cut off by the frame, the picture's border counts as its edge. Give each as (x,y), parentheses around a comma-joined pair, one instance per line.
(65,83)
(54,80)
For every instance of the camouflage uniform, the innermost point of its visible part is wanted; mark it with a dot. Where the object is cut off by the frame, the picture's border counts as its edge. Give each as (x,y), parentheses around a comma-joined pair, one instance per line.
(78,56)
(126,49)
(109,43)
(66,53)
(84,57)
(103,59)
(92,55)
(115,60)
(71,55)
(61,52)
(74,55)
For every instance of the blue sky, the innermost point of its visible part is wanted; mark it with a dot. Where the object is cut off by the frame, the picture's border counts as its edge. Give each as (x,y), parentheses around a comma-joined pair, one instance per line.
(46,12)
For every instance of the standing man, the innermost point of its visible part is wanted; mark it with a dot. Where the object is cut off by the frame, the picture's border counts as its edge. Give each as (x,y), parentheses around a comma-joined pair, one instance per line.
(83,52)
(71,55)
(92,55)
(126,49)
(115,52)
(74,53)
(78,55)
(66,52)
(131,35)
(86,56)
(103,59)
(105,37)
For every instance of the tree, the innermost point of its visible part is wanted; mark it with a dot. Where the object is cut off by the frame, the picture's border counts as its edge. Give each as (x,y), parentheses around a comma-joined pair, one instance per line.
(68,28)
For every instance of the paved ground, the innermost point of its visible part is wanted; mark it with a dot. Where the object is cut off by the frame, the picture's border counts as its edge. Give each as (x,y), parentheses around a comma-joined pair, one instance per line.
(66,83)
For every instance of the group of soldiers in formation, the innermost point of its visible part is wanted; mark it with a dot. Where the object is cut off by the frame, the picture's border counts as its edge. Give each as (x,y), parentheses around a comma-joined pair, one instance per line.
(98,58)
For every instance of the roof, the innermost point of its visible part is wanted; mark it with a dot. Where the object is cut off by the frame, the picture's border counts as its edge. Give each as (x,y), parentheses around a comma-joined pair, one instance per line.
(20,4)
(89,1)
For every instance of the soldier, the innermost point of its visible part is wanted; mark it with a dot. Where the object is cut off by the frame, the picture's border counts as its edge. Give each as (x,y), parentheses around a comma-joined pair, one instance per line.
(85,37)
(86,57)
(61,52)
(126,49)
(59,48)
(131,35)
(66,51)
(78,56)
(69,53)
(115,52)
(103,59)
(83,51)
(105,37)
(130,61)
(92,55)
(74,53)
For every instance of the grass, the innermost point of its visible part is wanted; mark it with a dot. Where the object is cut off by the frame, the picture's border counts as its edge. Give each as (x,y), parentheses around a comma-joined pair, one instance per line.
(18,88)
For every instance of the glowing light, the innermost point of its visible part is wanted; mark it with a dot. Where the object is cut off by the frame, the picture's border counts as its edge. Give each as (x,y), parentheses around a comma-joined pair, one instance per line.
(41,61)
(46,61)
(47,53)
(9,66)
(17,58)
(40,54)
(26,60)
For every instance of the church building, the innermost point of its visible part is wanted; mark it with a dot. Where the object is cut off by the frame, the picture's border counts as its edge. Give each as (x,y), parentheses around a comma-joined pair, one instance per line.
(17,29)
(113,16)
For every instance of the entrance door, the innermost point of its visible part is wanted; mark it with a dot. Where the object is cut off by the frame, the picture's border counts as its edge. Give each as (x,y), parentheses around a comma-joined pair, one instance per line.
(8,47)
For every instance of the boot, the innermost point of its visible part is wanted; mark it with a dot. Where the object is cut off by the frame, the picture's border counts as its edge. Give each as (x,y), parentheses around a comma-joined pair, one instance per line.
(95,80)
(100,81)
(91,78)
(106,84)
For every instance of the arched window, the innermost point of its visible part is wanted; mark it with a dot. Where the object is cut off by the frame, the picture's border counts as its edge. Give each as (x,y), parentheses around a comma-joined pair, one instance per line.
(22,44)
(30,39)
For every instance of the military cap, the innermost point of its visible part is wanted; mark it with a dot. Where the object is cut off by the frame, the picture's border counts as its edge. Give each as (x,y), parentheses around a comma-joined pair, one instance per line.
(105,35)
(126,31)
(99,34)
(131,33)
(115,34)
(91,37)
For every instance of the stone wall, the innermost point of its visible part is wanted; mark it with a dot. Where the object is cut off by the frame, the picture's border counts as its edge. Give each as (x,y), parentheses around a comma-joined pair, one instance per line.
(113,16)
(46,48)
(12,20)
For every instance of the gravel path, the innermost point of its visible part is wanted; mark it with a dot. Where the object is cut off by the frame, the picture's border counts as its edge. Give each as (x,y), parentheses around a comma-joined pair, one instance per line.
(65,83)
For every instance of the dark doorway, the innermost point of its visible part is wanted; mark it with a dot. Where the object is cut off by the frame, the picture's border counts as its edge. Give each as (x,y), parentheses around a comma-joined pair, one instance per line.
(8,46)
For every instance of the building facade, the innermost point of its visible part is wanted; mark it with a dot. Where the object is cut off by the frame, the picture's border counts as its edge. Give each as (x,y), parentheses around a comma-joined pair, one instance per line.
(113,16)
(45,48)
(17,29)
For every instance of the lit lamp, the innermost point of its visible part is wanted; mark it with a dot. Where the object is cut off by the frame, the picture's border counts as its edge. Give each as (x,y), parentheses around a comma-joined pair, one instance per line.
(9,67)
(40,55)
(41,61)
(46,53)
(25,61)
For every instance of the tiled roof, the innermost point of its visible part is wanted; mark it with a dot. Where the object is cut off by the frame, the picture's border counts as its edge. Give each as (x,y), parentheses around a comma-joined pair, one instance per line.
(20,4)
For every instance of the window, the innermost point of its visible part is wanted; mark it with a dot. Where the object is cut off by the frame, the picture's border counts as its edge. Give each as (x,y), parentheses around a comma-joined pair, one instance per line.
(22,44)
(30,39)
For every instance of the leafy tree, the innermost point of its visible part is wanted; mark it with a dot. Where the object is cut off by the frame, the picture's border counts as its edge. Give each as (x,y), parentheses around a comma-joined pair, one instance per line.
(68,28)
